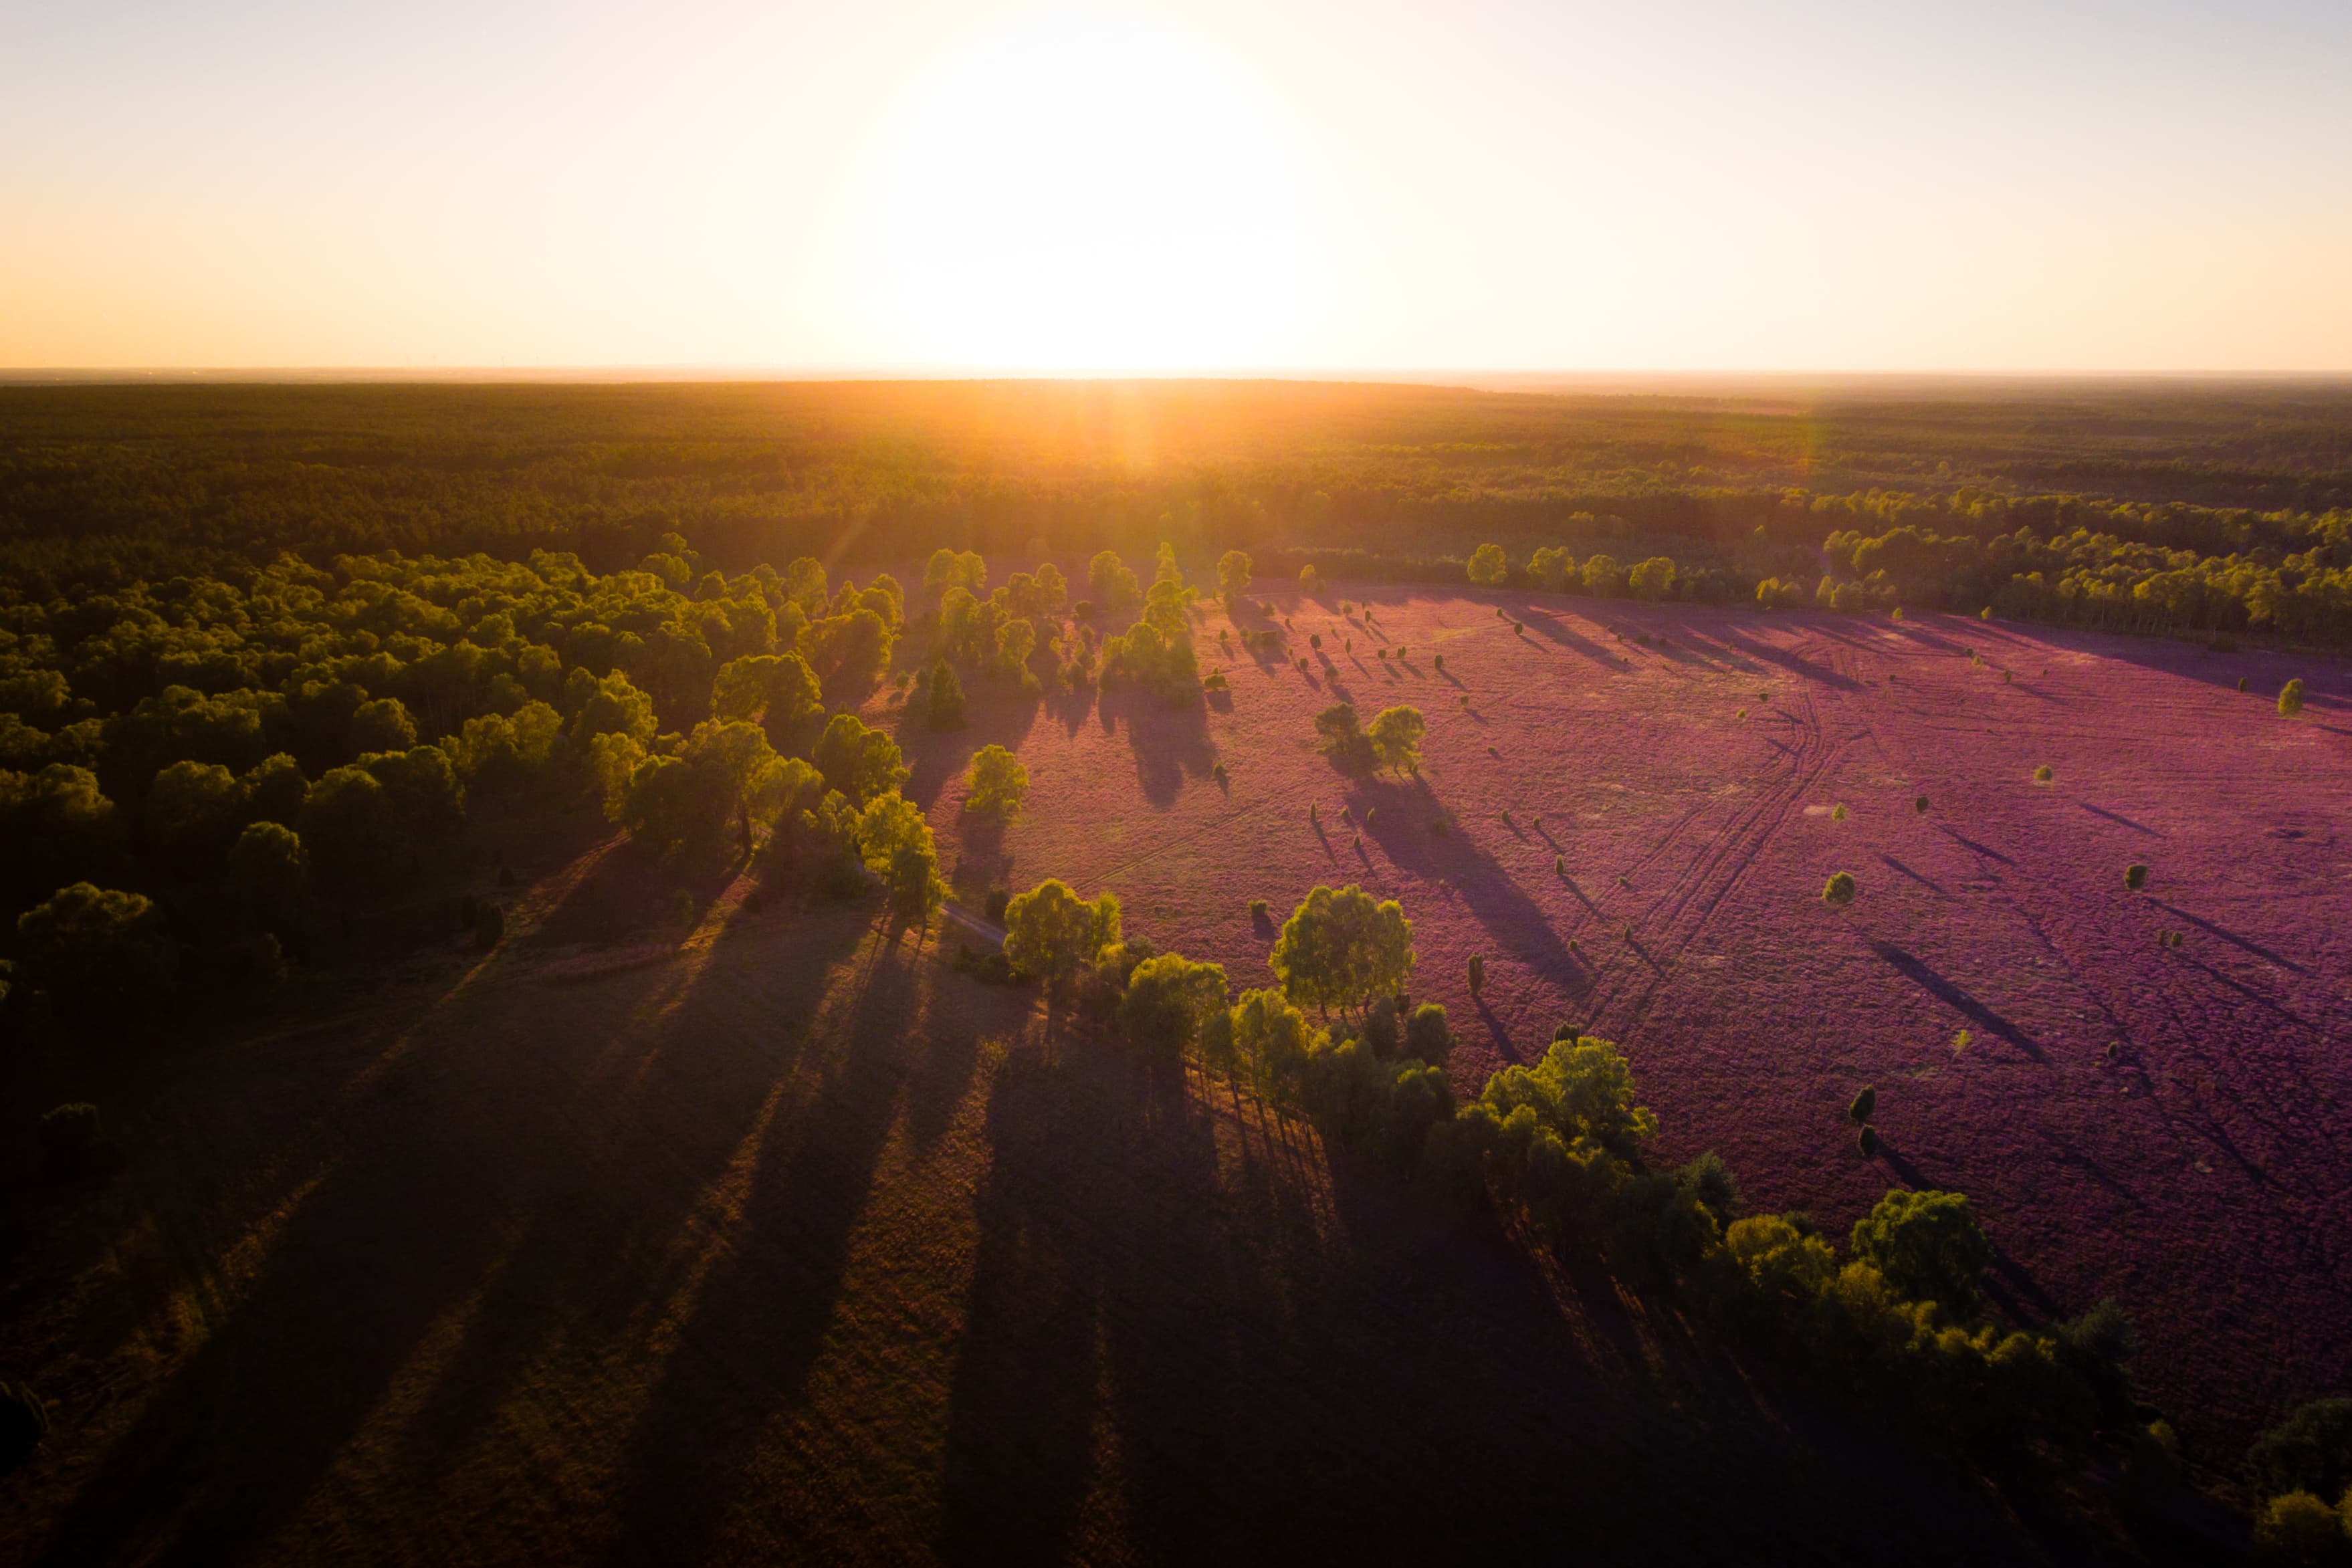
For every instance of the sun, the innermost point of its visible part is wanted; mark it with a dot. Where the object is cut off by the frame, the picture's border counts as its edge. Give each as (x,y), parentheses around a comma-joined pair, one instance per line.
(1077,190)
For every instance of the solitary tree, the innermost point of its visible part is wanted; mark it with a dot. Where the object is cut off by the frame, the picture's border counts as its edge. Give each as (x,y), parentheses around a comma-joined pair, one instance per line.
(1841,889)
(1395,734)
(1343,948)
(996,783)
(2290,701)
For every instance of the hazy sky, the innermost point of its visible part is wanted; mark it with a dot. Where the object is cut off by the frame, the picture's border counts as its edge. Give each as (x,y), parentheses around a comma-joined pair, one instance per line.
(1274,183)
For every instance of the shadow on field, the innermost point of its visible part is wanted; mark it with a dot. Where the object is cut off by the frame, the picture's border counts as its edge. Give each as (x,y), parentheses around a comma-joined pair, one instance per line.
(1170,743)
(1954,996)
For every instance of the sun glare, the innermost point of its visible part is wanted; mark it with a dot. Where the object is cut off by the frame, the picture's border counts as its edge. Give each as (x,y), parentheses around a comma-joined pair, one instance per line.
(1077,191)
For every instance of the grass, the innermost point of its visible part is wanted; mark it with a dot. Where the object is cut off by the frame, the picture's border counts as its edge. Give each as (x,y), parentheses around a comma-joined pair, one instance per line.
(791,1243)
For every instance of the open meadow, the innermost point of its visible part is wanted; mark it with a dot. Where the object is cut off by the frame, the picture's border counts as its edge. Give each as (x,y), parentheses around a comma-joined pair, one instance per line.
(2164,1124)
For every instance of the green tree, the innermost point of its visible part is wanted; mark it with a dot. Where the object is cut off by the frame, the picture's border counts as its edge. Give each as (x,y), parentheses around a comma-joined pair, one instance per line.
(1232,574)
(269,877)
(2311,1450)
(944,709)
(1928,1245)
(861,763)
(614,706)
(996,783)
(1112,581)
(383,725)
(1395,734)
(194,810)
(1342,949)
(101,953)
(1168,998)
(2290,701)
(1489,566)
(1841,889)
(1050,932)
(1652,579)
(778,691)
(898,848)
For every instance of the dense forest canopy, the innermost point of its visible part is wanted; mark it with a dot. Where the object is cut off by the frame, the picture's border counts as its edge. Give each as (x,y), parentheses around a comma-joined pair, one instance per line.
(100,483)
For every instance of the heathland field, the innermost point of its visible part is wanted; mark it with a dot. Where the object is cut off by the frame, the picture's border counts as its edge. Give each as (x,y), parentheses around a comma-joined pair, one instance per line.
(2162,1122)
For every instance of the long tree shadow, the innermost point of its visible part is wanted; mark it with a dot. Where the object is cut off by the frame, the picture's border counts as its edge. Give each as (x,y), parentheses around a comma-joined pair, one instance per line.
(2232,937)
(1953,997)
(1170,742)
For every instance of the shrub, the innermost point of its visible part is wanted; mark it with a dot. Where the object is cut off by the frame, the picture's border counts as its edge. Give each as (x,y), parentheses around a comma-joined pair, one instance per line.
(1050,932)
(1927,1244)
(2242,683)
(1559,865)
(1437,660)
(1863,1105)
(2290,699)
(1867,1142)
(2135,876)
(1919,804)
(489,925)
(1168,999)
(1841,889)
(74,1147)
(1477,973)
(2043,774)
(2311,1450)
(1837,814)
(101,953)
(996,783)
(1257,908)
(1216,682)
(1310,582)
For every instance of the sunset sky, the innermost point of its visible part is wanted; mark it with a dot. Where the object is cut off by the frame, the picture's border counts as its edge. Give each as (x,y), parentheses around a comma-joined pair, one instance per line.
(1284,184)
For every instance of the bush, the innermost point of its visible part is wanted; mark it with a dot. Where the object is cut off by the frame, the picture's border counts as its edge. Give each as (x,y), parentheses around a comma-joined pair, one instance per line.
(1841,890)
(2242,683)
(1863,1105)
(101,953)
(1257,908)
(2311,1450)
(74,1147)
(1477,973)
(2290,699)
(2135,876)
(1919,804)
(1837,814)
(1867,1142)
(2043,774)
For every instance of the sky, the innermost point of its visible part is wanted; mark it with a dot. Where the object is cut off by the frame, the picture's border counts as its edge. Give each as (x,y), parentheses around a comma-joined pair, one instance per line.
(1282,185)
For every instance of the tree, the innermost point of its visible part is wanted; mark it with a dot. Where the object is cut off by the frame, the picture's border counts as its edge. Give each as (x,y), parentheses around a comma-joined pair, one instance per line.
(944,708)
(1652,578)
(1928,1245)
(1427,1035)
(2311,1450)
(55,827)
(1233,575)
(778,691)
(2299,1528)
(613,706)
(101,953)
(383,725)
(1168,998)
(351,828)
(861,763)
(1477,976)
(1341,950)
(194,810)
(1841,889)
(2290,701)
(1395,734)
(1310,582)
(898,848)
(1489,566)
(269,877)
(1343,741)
(1863,1103)
(2135,876)
(996,783)
(1050,932)
(1112,581)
